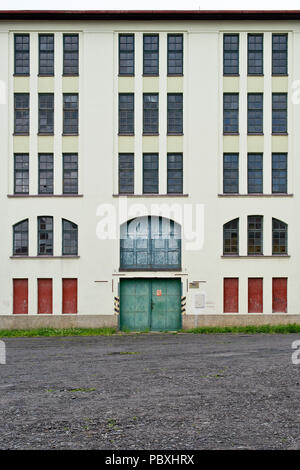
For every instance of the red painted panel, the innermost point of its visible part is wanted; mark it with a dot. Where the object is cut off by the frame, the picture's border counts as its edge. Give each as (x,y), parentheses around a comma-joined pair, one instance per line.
(255,295)
(44,295)
(20,296)
(231,294)
(69,304)
(279,294)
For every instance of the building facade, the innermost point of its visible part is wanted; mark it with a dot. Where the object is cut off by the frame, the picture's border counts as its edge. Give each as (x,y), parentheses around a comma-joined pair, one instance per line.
(149,169)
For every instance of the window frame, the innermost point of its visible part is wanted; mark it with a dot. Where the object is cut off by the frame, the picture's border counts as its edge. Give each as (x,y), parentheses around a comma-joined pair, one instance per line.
(255,74)
(280,230)
(48,113)
(48,231)
(65,53)
(148,170)
(69,110)
(151,114)
(237,52)
(129,117)
(21,74)
(23,171)
(252,109)
(174,113)
(229,110)
(46,74)
(174,170)
(229,228)
(276,51)
(127,74)
(71,231)
(227,154)
(15,253)
(42,171)
(124,171)
(69,154)
(255,230)
(277,170)
(22,110)
(254,170)
(280,110)
(174,51)
(149,53)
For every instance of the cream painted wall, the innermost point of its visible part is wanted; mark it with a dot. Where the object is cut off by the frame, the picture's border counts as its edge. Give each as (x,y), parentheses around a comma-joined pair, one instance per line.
(98,146)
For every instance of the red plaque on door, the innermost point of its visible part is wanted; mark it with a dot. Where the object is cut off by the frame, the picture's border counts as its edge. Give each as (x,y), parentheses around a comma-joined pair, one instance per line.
(158,292)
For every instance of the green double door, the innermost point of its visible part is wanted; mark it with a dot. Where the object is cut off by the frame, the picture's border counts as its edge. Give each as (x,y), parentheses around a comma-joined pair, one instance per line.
(152,304)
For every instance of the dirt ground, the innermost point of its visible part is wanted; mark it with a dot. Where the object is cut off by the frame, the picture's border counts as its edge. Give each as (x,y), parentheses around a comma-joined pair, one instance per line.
(150,391)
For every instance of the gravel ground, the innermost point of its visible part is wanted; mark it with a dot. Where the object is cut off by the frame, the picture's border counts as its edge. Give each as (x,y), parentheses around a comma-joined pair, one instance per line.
(179,391)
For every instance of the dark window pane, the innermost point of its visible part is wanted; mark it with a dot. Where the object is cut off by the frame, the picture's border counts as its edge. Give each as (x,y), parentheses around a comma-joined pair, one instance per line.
(175,54)
(175,173)
(255,173)
(71,52)
(70,238)
(46,54)
(279,173)
(21,54)
(255,113)
(46,113)
(279,113)
(70,114)
(175,113)
(150,173)
(20,234)
(126,54)
(21,101)
(21,173)
(151,54)
(279,54)
(126,113)
(231,113)
(255,54)
(150,114)
(70,173)
(230,173)
(45,173)
(255,235)
(279,237)
(45,235)
(231,237)
(126,173)
(231,54)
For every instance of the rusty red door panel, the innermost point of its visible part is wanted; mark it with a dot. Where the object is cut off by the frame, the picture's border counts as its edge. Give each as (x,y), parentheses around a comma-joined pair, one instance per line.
(20,296)
(44,295)
(255,295)
(69,303)
(231,294)
(279,294)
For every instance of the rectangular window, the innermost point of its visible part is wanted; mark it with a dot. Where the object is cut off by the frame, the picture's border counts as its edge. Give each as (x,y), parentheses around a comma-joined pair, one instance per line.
(21,54)
(70,114)
(150,173)
(46,54)
(46,173)
(231,54)
(126,54)
(175,113)
(69,296)
(279,172)
(255,235)
(255,295)
(126,113)
(230,173)
(71,52)
(150,114)
(45,235)
(21,173)
(46,113)
(255,54)
(255,172)
(45,296)
(231,295)
(175,54)
(279,54)
(255,113)
(279,295)
(20,296)
(21,101)
(151,54)
(279,113)
(70,173)
(126,173)
(175,173)
(230,113)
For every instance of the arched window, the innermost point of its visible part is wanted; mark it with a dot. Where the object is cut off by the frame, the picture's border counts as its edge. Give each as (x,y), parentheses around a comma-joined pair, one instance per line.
(20,242)
(150,242)
(70,238)
(255,235)
(279,237)
(231,237)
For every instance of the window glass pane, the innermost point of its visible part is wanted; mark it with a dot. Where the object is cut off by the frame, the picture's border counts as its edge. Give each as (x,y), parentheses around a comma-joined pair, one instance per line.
(46,113)
(21,173)
(70,114)
(175,173)
(279,237)
(231,54)
(45,235)
(279,54)
(20,233)
(175,54)
(175,113)
(45,173)
(126,173)
(151,54)
(150,173)
(126,54)
(255,113)
(279,113)
(21,113)
(70,238)
(255,235)
(230,173)
(126,113)
(46,54)
(70,173)
(21,54)
(255,172)
(150,115)
(71,51)
(279,173)
(231,113)
(255,54)
(231,238)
